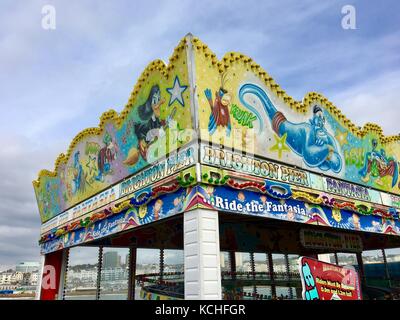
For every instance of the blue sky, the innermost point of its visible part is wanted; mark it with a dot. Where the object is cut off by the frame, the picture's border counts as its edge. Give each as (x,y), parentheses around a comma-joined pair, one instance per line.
(56,83)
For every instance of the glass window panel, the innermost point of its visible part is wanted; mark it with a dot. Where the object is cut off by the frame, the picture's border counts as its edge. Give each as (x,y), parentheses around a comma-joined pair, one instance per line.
(242,262)
(279,264)
(282,293)
(81,278)
(393,263)
(374,268)
(173,263)
(346,259)
(293,263)
(260,261)
(327,257)
(147,262)
(114,274)
(225,263)
(372,257)
(173,260)
(265,291)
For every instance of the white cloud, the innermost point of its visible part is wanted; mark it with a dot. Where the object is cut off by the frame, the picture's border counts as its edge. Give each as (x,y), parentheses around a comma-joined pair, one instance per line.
(375,100)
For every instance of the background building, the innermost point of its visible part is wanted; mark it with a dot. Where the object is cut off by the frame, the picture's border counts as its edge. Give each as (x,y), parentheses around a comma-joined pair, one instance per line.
(111,260)
(27,267)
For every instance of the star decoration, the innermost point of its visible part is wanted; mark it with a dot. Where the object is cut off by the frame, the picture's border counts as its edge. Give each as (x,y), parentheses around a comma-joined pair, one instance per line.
(280,145)
(176,92)
(91,165)
(341,136)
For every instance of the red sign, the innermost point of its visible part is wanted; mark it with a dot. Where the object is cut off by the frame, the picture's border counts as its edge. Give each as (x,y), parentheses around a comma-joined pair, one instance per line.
(325,281)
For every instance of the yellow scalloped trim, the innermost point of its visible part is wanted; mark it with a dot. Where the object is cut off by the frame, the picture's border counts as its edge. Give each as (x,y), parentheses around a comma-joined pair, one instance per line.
(223,64)
(300,106)
(156,65)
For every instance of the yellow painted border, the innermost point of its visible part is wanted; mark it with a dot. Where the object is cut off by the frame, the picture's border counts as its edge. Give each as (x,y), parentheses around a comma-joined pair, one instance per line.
(223,65)
(118,119)
(300,106)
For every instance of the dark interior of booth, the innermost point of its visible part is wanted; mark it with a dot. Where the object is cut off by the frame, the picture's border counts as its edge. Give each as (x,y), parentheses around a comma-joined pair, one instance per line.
(248,235)
(240,233)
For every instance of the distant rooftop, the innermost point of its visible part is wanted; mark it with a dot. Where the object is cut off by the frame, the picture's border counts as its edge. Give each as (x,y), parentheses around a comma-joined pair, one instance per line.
(29,263)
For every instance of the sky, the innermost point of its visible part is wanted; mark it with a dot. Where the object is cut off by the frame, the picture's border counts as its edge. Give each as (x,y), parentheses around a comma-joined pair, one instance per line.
(55,83)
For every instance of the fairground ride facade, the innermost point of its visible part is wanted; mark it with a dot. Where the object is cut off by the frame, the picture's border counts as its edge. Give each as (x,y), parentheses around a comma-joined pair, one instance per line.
(213,158)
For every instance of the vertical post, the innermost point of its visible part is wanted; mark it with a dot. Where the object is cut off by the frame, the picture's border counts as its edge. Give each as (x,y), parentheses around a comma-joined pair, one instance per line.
(271,273)
(386,267)
(99,267)
(39,284)
(161,264)
(64,274)
(132,273)
(290,291)
(253,273)
(232,264)
(202,255)
(252,264)
(336,258)
(361,268)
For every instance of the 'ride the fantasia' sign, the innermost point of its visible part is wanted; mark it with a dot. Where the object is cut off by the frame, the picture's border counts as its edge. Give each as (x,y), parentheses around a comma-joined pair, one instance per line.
(266,169)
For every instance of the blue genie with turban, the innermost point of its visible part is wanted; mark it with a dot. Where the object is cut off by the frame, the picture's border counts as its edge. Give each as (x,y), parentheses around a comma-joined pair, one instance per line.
(310,140)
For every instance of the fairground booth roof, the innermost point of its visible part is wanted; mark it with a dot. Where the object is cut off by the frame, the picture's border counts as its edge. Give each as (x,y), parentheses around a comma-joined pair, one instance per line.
(219,134)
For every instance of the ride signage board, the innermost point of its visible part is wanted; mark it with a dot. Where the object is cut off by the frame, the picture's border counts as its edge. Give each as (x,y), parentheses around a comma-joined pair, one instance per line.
(325,281)
(346,189)
(390,200)
(317,239)
(226,159)
(175,162)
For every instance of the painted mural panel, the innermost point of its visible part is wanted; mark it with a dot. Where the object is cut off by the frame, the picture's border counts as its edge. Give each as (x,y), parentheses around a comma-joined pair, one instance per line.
(241,107)
(156,121)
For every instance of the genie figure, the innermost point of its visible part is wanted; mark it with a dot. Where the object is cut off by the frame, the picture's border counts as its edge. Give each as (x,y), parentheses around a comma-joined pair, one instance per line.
(310,140)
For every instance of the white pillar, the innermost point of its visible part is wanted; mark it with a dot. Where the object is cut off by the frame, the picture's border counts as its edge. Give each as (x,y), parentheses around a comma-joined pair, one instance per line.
(40,277)
(202,255)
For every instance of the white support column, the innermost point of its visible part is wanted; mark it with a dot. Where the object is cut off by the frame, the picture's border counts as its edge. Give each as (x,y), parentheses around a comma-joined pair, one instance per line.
(202,255)
(40,278)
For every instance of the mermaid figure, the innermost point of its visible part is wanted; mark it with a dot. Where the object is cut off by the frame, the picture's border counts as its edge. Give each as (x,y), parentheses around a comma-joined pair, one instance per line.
(310,140)
(79,176)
